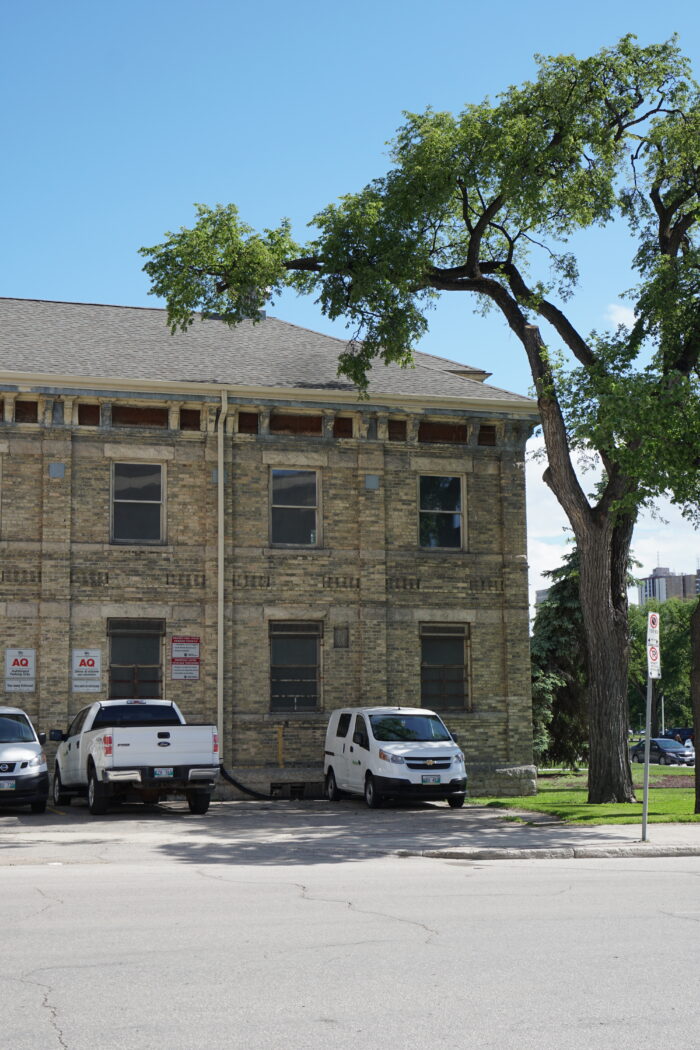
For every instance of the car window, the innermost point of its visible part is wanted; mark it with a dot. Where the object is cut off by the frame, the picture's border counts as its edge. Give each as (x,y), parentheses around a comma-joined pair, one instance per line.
(672,745)
(408,727)
(343,725)
(361,736)
(15,729)
(132,714)
(77,723)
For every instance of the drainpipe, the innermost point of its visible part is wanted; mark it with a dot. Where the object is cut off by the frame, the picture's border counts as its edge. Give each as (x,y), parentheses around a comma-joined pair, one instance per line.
(221,555)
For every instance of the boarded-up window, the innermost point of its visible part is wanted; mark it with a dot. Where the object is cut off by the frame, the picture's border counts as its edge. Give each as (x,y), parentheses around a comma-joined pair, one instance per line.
(487,434)
(189,419)
(445,666)
(397,430)
(248,422)
(295,666)
(88,415)
(139,416)
(342,427)
(26,411)
(452,433)
(286,423)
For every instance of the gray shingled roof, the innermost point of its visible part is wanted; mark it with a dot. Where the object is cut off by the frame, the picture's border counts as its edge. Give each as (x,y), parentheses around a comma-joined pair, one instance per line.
(98,342)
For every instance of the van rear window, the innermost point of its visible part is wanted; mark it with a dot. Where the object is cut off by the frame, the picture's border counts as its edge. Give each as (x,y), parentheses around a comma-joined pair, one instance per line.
(408,727)
(136,715)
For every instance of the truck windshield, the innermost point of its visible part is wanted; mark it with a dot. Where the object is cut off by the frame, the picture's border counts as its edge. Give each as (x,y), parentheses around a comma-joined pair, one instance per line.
(136,715)
(408,727)
(15,729)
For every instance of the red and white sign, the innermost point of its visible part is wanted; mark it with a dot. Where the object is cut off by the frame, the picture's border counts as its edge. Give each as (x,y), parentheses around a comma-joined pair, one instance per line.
(653,647)
(184,658)
(87,670)
(20,670)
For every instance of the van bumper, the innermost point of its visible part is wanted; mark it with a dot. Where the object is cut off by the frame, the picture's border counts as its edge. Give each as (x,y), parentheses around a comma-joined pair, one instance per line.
(397,787)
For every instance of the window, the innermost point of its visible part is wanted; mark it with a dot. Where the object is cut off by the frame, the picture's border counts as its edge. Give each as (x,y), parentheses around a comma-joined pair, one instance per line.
(88,415)
(487,434)
(137,503)
(135,659)
(189,419)
(440,512)
(294,508)
(26,411)
(139,416)
(444,666)
(287,423)
(360,735)
(396,430)
(451,433)
(343,725)
(294,666)
(342,427)
(248,422)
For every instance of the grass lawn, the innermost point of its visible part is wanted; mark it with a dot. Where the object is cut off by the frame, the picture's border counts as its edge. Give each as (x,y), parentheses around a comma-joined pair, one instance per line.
(563,795)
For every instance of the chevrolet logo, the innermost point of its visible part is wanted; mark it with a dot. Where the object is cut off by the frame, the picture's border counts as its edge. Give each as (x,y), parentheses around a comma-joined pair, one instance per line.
(430,762)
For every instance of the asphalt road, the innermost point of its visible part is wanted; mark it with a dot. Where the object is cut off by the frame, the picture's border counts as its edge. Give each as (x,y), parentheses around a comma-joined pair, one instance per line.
(243,929)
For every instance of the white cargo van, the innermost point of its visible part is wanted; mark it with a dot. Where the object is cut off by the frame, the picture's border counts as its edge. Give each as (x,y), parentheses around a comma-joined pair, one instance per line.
(392,752)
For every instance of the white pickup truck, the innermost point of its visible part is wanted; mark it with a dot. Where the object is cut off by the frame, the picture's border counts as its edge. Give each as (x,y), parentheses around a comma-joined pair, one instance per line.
(117,749)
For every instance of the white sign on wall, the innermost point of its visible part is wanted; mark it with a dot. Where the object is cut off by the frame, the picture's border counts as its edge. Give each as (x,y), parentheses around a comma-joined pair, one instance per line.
(87,670)
(184,658)
(20,670)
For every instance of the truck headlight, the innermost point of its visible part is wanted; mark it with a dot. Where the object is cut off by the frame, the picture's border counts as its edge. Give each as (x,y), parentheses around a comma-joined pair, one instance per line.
(387,757)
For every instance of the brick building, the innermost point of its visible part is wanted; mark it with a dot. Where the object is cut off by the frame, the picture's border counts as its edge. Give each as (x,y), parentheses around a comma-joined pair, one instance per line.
(216,518)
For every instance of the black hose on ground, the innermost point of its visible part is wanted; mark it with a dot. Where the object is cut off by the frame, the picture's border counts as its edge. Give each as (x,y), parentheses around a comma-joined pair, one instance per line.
(241,787)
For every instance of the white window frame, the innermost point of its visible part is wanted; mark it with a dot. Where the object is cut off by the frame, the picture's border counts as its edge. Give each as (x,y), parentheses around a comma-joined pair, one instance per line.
(285,506)
(462,511)
(161,503)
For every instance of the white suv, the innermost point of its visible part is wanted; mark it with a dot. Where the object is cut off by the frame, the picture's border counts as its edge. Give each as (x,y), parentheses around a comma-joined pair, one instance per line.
(392,752)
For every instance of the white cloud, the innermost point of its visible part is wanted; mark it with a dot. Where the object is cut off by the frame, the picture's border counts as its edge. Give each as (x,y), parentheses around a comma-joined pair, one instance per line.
(617,313)
(667,539)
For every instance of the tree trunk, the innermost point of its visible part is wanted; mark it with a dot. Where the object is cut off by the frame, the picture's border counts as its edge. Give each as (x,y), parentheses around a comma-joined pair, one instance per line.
(695,686)
(603,551)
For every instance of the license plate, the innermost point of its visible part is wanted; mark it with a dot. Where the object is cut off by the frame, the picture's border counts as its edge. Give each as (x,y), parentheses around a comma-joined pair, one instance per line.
(163,771)
(7,785)
(430,780)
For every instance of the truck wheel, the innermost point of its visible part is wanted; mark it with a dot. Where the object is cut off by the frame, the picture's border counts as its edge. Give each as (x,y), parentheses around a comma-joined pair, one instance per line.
(58,794)
(98,800)
(198,801)
(372,796)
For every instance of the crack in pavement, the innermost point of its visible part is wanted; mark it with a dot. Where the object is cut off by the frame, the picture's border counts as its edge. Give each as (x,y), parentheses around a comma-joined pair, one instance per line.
(351,906)
(47,990)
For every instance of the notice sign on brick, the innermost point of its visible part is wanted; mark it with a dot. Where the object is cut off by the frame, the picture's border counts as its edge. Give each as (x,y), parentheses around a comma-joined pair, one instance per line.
(184,658)
(20,670)
(87,670)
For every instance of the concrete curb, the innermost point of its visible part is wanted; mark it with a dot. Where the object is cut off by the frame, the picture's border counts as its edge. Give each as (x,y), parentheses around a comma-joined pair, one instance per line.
(555,852)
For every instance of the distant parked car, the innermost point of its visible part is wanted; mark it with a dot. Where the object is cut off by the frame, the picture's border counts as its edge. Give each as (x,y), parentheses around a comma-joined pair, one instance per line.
(24,776)
(664,751)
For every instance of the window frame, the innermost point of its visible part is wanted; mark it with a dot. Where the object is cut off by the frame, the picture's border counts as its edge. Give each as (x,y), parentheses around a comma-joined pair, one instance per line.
(113,539)
(460,631)
(296,629)
(462,511)
(285,506)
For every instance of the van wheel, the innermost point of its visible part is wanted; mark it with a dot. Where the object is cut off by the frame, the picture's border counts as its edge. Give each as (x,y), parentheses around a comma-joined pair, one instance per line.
(57,793)
(198,801)
(98,800)
(372,796)
(331,788)
(455,801)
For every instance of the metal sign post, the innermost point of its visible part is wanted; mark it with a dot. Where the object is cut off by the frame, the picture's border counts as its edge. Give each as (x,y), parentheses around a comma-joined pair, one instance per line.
(653,671)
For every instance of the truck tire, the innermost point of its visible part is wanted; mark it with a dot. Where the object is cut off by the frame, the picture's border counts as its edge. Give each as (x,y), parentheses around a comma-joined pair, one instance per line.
(198,801)
(98,800)
(57,793)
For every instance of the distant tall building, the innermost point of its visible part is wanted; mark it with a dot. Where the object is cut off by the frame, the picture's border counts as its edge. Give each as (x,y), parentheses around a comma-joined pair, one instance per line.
(663,584)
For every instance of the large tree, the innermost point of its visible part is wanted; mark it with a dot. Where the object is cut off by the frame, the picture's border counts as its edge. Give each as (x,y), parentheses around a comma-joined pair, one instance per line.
(483,203)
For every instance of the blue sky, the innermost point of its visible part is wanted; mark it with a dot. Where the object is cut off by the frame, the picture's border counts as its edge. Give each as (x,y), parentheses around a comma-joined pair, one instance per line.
(118,117)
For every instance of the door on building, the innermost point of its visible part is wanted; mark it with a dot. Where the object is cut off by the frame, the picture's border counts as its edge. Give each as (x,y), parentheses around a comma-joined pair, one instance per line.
(136,659)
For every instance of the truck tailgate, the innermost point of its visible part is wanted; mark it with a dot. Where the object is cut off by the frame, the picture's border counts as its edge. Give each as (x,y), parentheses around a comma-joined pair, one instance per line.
(164,745)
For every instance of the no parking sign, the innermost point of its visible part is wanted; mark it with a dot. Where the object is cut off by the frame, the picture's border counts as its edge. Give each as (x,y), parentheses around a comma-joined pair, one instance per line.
(653,647)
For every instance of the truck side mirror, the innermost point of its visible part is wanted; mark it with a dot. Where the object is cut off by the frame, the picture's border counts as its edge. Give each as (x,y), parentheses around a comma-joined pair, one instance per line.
(57,735)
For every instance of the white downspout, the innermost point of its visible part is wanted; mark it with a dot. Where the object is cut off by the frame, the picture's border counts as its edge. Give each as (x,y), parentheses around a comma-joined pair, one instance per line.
(221,556)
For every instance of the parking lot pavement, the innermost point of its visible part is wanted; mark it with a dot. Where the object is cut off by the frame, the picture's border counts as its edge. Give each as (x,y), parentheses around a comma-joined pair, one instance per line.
(288,833)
